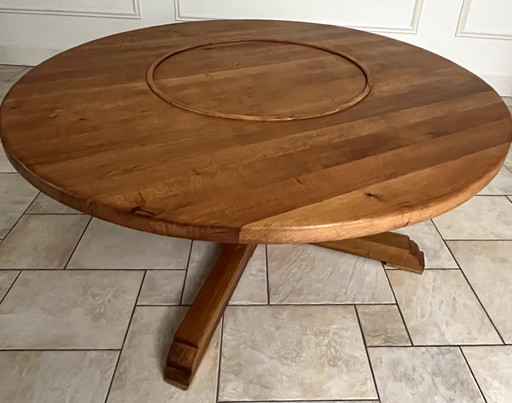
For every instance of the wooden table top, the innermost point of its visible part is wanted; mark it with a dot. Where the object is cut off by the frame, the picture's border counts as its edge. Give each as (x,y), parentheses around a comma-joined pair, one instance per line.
(255,131)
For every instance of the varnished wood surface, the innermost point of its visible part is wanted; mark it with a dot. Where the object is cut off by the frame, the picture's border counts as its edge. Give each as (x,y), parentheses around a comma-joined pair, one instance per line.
(226,72)
(196,330)
(394,249)
(86,128)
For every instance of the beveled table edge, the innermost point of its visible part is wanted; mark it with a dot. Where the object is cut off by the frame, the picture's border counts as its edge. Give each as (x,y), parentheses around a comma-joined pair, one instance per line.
(249,233)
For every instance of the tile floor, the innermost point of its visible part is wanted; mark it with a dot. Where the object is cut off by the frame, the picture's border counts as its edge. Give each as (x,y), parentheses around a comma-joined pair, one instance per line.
(87,311)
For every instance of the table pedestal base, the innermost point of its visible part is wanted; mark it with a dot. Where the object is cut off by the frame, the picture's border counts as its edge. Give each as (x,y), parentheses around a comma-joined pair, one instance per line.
(394,249)
(196,330)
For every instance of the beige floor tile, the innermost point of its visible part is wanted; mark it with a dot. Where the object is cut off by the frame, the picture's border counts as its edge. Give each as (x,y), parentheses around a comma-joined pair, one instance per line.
(482,217)
(23,70)
(202,258)
(8,72)
(42,241)
(488,267)
(5,85)
(5,165)
(508,161)
(139,376)
(500,185)
(46,205)
(68,309)
(7,277)
(437,255)
(55,376)
(492,367)
(110,246)
(252,288)
(4,89)
(293,352)
(16,195)
(162,287)
(306,274)
(312,401)
(382,325)
(440,308)
(423,374)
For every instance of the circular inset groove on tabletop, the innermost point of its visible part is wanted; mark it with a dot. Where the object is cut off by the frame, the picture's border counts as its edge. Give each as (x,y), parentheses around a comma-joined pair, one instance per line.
(260,80)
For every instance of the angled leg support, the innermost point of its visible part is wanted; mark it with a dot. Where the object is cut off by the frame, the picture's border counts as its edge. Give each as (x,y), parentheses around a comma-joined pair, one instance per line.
(193,336)
(394,249)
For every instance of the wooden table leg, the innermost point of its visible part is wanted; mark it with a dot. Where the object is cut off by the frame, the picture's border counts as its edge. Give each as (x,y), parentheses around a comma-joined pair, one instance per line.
(197,328)
(394,249)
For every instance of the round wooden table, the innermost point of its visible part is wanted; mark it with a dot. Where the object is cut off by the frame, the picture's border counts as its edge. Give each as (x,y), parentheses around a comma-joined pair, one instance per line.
(248,132)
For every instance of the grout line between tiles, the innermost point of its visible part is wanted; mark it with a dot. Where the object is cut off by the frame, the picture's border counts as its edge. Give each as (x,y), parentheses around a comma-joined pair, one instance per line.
(370,347)
(140,291)
(9,289)
(19,218)
(367,353)
(186,273)
(429,269)
(49,269)
(471,288)
(399,309)
(328,304)
(477,240)
(268,278)
(32,202)
(40,213)
(78,242)
(59,349)
(482,305)
(220,358)
(289,305)
(472,374)
(87,269)
(479,195)
(441,345)
(298,401)
(161,305)
(107,392)
(124,339)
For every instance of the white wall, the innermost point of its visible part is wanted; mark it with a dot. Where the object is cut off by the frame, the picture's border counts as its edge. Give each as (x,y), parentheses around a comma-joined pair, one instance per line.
(33,30)
(474,33)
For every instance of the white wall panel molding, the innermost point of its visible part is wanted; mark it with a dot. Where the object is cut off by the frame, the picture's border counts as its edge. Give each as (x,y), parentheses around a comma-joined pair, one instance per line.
(488,19)
(129,9)
(30,37)
(398,16)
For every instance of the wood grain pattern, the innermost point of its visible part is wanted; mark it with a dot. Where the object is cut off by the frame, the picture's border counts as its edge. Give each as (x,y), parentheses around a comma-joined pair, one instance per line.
(196,330)
(346,79)
(394,249)
(85,128)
